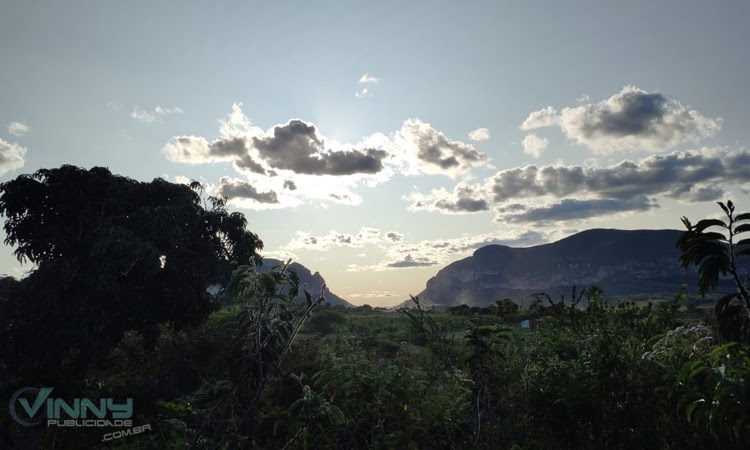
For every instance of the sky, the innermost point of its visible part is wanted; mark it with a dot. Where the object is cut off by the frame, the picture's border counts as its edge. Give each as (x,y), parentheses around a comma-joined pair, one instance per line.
(377,142)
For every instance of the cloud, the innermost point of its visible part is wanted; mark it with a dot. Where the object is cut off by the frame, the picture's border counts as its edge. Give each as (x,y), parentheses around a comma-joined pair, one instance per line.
(631,120)
(18,128)
(323,169)
(409,261)
(365,236)
(374,294)
(683,175)
(11,156)
(181,179)
(480,134)
(394,236)
(534,145)
(157,114)
(573,209)
(368,79)
(238,189)
(545,117)
(296,146)
(540,193)
(424,149)
(465,199)
(442,251)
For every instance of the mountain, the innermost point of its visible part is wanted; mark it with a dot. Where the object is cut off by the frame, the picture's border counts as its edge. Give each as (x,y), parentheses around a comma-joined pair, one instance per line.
(313,281)
(621,262)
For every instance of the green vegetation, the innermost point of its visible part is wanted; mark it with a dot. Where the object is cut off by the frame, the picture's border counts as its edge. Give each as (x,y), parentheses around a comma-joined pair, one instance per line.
(273,369)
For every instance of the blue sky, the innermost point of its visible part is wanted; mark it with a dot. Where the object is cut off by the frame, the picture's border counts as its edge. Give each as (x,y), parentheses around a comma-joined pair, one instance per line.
(376,142)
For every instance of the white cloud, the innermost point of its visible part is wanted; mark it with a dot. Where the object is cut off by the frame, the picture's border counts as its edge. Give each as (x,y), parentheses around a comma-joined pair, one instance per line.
(363,93)
(181,179)
(545,117)
(426,253)
(11,157)
(297,162)
(18,128)
(419,148)
(465,199)
(375,294)
(368,79)
(152,116)
(364,237)
(534,145)
(480,134)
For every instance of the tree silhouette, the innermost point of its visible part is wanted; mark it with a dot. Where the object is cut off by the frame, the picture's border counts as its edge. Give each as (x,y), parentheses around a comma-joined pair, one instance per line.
(714,247)
(112,254)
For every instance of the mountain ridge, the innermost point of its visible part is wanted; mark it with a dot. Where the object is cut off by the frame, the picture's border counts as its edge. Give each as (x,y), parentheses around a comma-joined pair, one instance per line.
(313,281)
(621,262)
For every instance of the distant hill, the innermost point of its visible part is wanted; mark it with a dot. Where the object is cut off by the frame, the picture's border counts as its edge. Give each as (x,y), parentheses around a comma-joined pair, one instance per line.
(621,262)
(314,281)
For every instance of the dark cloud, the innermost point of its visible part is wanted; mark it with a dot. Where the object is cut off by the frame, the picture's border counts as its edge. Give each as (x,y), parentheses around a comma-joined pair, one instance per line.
(525,239)
(409,261)
(249,163)
(638,113)
(632,119)
(462,205)
(289,184)
(682,175)
(343,239)
(572,209)
(234,189)
(340,197)
(465,199)
(435,148)
(228,147)
(296,146)
(432,151)
(394,236)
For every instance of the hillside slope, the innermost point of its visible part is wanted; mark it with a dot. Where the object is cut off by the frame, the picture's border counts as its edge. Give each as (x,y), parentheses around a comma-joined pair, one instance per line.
(313,281)
(621,262)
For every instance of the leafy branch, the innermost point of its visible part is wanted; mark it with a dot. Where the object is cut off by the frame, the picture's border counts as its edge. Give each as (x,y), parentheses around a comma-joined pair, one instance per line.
(714,246)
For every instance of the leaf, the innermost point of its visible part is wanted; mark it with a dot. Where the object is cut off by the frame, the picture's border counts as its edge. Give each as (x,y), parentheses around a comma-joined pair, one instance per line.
(706,223)
(691,408)
(742,228)
(723,207)
(743,216)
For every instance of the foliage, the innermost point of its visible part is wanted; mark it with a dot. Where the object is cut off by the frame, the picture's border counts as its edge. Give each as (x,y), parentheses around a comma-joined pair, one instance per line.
(714,394)
(594,374)
(112,254)
(271,319)
(325,321)
(714,247)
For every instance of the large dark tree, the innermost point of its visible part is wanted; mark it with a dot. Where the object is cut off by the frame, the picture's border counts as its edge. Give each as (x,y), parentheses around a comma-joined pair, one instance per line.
(112,254)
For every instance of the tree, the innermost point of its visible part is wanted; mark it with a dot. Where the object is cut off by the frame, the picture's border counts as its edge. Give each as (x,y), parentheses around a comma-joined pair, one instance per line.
(714,247)
(112,254)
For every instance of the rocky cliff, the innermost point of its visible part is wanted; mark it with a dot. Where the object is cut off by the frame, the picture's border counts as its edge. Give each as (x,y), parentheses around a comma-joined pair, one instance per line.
(313,281)
(618,261)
